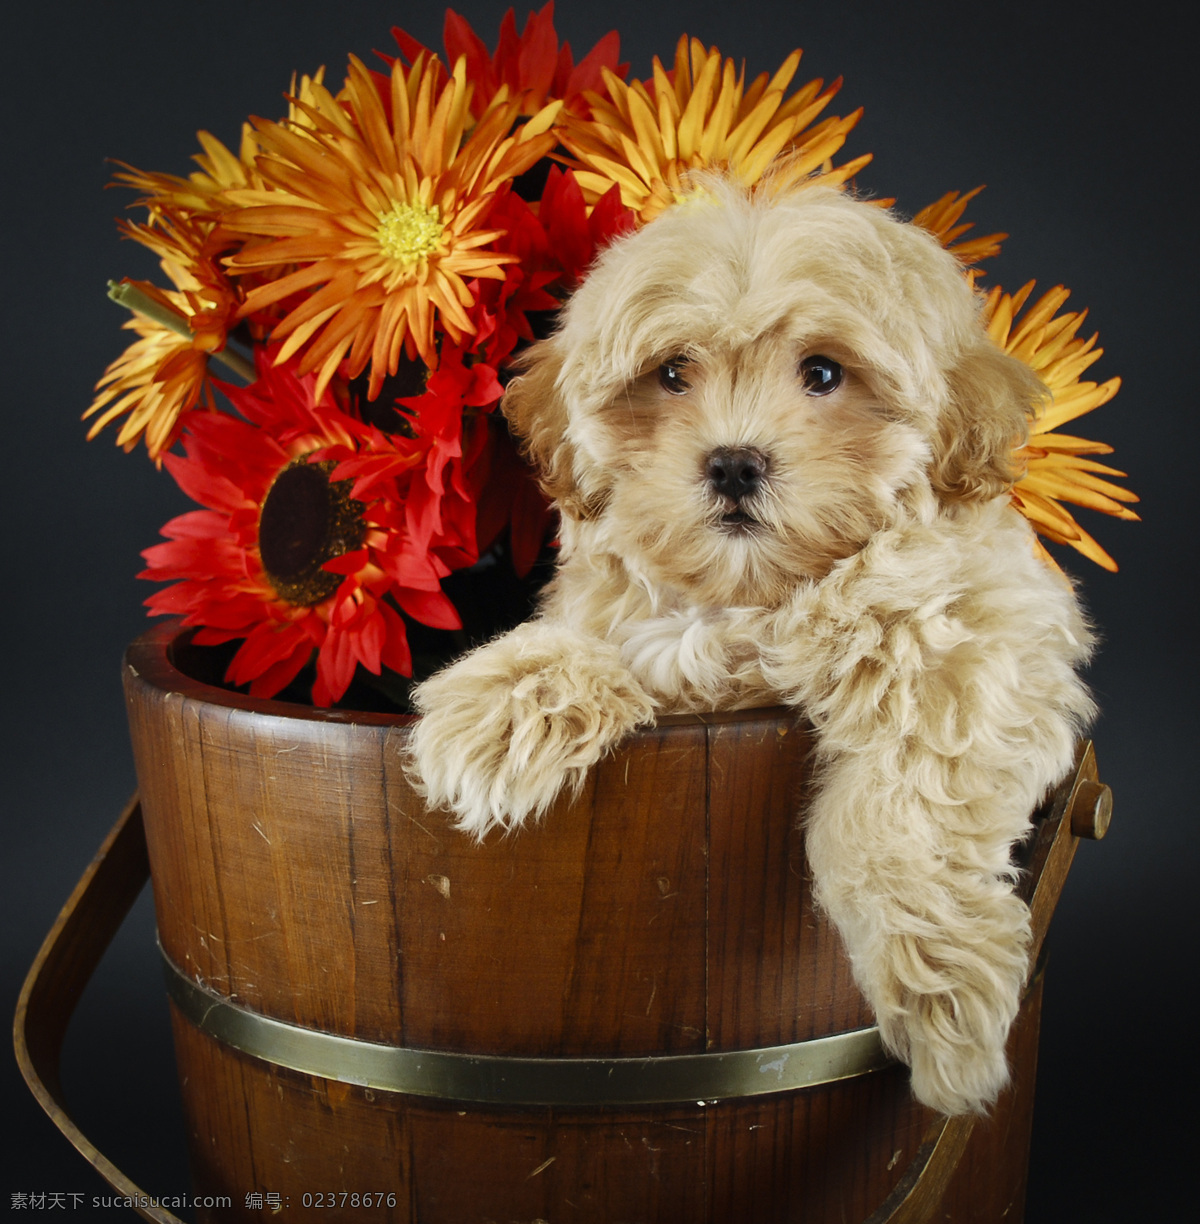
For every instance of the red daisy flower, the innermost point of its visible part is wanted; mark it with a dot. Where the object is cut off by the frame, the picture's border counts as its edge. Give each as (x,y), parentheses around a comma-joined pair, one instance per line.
(575,232)
(437,498)
(533,66)
(291,554)
(554,242)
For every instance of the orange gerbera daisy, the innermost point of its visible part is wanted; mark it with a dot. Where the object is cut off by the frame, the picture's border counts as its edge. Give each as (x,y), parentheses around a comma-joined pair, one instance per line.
(647,137)
(1056,467)
(373,216)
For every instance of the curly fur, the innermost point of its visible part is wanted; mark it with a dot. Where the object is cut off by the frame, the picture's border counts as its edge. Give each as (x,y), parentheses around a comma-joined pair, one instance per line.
(876,578)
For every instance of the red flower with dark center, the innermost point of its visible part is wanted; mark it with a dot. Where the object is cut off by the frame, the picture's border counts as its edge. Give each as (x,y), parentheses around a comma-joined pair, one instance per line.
(293,555)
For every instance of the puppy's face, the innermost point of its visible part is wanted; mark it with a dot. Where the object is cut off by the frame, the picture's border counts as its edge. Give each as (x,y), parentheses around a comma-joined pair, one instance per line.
(736,469)
(743,393)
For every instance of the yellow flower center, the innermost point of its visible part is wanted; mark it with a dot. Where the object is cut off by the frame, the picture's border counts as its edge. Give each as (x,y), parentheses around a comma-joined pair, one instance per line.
(409,233)
(689,195)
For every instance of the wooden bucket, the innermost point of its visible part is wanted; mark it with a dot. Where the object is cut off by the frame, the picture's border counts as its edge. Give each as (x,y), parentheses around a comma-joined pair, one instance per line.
(629,1013)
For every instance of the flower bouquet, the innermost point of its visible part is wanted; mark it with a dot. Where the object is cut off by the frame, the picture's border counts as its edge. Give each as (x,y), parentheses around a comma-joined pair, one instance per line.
(351,289)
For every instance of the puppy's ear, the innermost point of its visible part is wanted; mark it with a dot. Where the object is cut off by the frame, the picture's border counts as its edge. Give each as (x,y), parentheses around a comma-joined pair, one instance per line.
(537,412)
(993,397)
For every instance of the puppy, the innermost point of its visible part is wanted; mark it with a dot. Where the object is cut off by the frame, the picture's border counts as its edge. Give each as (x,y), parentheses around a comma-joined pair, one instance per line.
(781,444)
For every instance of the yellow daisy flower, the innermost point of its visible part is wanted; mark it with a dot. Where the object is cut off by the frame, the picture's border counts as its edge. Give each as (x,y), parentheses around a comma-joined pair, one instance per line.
(160,376)
(649,135)
(221,170)
(199,193)
(163,374)
(943,219)
(188,256)
(370,214)
(1056,467)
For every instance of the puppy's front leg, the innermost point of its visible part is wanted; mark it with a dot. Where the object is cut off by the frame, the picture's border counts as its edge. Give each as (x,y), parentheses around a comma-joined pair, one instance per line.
(507,726)
(921,893)
(936,738)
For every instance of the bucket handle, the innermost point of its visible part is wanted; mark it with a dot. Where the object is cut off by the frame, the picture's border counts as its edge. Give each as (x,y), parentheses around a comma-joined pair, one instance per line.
(92,915)
(62,969)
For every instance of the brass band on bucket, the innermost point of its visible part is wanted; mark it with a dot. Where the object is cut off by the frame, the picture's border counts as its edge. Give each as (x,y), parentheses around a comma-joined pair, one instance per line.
(497,1080)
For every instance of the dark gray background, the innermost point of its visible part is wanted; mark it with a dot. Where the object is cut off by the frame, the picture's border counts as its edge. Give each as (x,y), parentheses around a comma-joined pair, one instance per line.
(1081,120)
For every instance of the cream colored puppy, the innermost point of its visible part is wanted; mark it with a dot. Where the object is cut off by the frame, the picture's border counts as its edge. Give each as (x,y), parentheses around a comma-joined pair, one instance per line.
(780,441)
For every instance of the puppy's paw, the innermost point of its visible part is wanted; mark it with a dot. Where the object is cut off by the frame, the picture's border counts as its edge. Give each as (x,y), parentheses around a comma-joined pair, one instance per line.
(505,728)
(954,1032)
(957,1067)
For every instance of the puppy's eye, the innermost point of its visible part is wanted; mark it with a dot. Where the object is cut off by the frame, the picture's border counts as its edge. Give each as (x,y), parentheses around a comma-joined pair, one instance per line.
(820,375)
(672,375)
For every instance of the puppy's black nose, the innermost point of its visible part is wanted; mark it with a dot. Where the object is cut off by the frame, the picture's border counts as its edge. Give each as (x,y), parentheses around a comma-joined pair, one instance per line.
(736,471)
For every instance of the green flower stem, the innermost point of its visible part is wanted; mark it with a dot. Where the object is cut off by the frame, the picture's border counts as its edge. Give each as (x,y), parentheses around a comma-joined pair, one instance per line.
(133,299)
